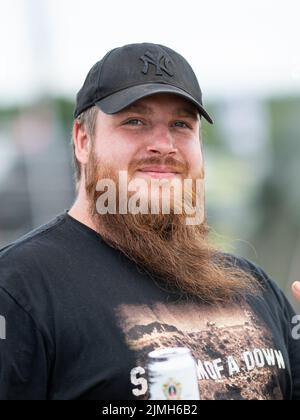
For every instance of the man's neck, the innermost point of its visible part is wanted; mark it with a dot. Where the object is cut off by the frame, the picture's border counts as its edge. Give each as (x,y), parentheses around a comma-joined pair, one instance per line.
(80,209)
(81,216)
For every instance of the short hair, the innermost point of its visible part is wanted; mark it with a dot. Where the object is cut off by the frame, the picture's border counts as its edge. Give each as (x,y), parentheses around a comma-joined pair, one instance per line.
(88,119)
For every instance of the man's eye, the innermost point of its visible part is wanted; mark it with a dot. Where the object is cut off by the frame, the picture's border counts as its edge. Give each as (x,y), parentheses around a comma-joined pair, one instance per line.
(134,121)
(181,124)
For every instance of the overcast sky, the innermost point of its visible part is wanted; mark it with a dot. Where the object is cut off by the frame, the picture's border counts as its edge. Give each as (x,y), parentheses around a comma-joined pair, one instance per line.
(235,47)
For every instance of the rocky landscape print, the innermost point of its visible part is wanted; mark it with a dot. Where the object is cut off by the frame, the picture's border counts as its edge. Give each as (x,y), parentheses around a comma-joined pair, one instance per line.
(234,353)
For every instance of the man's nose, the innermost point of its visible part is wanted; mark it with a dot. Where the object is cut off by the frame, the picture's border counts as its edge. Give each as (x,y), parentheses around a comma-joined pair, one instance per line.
(162,142)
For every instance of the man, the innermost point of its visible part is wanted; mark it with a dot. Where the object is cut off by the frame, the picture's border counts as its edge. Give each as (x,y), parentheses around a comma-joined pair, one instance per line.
(85,298)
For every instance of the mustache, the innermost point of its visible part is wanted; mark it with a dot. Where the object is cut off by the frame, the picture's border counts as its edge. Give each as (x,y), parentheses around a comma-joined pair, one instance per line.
(174,164)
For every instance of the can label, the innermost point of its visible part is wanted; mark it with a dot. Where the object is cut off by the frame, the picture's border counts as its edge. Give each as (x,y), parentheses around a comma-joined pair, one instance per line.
(173,377)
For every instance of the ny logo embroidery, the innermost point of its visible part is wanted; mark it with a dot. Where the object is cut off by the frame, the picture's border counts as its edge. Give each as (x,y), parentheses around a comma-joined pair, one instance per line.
(161,63)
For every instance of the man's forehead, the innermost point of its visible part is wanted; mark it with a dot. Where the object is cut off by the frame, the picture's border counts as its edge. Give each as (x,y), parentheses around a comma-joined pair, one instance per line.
(174,103)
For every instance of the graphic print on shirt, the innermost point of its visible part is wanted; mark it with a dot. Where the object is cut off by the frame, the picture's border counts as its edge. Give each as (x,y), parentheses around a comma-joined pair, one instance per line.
(235,355)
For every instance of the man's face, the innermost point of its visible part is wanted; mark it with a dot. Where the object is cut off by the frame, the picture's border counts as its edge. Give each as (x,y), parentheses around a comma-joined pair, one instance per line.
(157,137)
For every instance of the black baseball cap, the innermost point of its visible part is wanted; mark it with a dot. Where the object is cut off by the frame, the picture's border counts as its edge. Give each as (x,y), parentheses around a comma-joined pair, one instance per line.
(132,72)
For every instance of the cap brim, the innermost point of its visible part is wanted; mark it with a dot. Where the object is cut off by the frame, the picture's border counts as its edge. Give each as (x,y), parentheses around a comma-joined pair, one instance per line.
(118,101)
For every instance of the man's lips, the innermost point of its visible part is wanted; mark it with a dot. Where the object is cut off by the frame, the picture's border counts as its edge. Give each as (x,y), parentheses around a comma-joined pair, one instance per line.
(159,171)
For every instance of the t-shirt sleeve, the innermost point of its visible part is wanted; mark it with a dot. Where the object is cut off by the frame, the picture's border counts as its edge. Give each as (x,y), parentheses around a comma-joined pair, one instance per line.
(23,358)
(289,321)
(293,338)
(295,355)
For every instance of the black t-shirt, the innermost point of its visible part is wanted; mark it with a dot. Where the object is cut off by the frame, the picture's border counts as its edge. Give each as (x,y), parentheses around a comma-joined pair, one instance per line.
(78,319)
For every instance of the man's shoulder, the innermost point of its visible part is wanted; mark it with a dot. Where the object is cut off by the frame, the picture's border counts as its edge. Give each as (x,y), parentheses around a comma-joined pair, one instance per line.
(246,265)
(271,291)
(33,241)
(23,269)
(28,254)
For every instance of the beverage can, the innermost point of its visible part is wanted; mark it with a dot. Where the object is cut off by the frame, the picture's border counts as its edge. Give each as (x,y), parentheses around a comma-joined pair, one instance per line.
(172,374)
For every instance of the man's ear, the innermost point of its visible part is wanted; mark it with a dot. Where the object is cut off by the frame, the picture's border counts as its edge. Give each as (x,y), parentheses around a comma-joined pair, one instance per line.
(82,142)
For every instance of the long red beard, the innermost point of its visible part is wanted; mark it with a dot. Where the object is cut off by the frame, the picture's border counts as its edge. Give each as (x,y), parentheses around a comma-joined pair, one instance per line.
(178,255)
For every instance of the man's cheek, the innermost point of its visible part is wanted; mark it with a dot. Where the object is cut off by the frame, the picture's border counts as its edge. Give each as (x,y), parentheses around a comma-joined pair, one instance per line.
(195,165)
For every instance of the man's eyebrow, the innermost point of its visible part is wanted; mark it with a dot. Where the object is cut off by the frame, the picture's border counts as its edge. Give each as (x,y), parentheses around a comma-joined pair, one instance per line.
(144,109)
(187,112)
(141,109)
